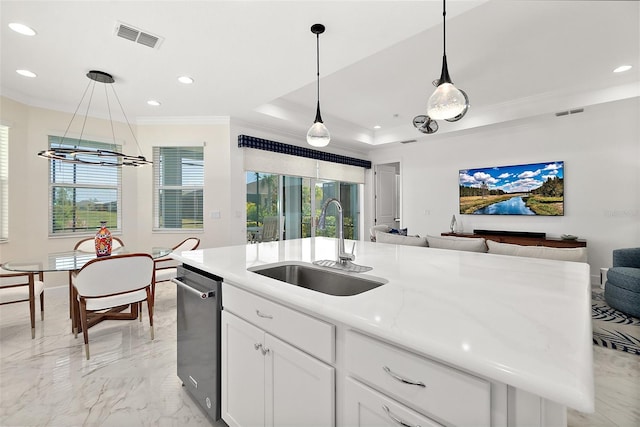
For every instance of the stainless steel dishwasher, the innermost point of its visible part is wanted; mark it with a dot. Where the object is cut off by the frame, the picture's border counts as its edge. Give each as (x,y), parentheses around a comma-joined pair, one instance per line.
(198,324)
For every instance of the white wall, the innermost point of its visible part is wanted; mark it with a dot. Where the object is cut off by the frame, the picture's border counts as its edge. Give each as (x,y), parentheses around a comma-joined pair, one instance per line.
(601,151)
(600,148)
(29,182)
(214,137)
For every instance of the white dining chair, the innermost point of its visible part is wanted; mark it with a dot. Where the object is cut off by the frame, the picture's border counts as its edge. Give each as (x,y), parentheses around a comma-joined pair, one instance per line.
(166,267)
(23,287)
(112,282)
(88,245)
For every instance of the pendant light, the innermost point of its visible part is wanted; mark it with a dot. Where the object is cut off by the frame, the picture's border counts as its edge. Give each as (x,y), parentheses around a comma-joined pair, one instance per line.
(447,101)
(318,134)
(95,156)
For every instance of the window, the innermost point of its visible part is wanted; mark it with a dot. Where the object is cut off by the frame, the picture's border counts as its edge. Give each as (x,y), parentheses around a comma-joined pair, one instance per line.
(83,195)
(4,183)
(178,187)
(298,202)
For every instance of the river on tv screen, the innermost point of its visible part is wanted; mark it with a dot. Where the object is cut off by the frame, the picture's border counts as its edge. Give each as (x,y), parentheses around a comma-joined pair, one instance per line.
(531,189)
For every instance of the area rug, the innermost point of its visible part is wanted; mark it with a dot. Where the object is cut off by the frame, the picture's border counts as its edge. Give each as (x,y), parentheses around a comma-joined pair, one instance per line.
(611,328)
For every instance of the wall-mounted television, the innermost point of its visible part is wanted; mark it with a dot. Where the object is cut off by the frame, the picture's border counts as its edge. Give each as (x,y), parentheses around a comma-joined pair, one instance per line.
(531,189)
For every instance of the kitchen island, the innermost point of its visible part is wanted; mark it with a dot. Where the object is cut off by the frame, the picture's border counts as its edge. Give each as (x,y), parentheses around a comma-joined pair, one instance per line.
(516,330)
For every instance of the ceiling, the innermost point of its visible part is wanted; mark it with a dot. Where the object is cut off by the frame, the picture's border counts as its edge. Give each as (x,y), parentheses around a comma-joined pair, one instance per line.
(255,61)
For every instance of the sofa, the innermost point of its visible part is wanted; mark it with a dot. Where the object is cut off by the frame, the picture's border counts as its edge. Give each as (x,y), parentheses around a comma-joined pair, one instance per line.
(381,234)
(622,288)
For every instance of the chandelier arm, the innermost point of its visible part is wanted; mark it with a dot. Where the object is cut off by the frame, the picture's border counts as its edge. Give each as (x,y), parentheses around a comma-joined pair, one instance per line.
(74,114)
(86,114)
(113,133)
(127,120)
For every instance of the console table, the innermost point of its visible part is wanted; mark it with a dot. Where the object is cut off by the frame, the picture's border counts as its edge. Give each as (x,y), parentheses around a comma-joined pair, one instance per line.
(525,240)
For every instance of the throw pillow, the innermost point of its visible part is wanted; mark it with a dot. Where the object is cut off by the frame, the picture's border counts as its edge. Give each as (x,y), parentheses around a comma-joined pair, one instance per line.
(396,239)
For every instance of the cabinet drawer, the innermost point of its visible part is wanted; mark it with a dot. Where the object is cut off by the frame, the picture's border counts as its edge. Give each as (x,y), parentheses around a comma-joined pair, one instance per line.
(446,394)
(365,407)
(309,334)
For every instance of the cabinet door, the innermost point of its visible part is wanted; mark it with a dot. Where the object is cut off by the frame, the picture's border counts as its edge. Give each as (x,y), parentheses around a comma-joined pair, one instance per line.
(300,390)
(242,373)
(365,407)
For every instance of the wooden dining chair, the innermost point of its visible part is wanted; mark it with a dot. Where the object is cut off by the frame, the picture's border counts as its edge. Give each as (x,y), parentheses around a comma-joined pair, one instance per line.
(88,245)
(166,267)
(105,286)
(23,287)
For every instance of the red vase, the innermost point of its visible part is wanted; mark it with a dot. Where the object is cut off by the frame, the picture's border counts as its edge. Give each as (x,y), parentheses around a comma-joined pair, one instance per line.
(103,240)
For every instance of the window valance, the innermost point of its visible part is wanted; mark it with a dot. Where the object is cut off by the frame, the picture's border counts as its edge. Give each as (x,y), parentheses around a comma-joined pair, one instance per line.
(285,159)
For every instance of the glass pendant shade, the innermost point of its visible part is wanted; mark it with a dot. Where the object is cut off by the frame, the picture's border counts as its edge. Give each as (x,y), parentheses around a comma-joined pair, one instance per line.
(318,135)
(446,102)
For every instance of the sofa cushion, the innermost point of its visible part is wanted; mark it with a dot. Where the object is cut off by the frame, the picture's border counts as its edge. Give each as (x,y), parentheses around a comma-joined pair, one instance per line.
(624,277)
(546,252)
(373,230)
(622,299)
(396,239)
(469,244)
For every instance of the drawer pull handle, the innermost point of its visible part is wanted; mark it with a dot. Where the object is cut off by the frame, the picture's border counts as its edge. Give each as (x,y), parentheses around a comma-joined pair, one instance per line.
(264,316)
(395,418)
(257,346)
(402,380)
(265,351)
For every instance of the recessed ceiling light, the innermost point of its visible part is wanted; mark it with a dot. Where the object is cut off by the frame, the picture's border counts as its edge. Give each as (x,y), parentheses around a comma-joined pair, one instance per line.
(22,29)
(622,69)
(185,79)
(26,73)
(153,103)
(377,127)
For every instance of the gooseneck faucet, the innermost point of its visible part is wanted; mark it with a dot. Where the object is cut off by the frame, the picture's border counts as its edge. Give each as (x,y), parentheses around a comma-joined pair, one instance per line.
(343,256)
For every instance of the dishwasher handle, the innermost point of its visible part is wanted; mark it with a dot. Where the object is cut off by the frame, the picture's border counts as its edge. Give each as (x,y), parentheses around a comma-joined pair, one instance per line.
(200,294)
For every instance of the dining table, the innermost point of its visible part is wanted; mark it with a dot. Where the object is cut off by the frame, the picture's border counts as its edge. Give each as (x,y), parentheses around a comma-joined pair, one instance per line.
(71,262)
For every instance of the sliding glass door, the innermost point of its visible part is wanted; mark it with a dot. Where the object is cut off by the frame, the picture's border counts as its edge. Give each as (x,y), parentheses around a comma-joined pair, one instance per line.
(296,204)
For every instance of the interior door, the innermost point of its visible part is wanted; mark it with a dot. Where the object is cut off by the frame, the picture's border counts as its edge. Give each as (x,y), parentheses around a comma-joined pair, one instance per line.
(386,195)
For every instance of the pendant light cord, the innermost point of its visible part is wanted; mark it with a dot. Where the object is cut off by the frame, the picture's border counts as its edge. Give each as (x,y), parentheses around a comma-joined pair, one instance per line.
(318,66)
(444,27)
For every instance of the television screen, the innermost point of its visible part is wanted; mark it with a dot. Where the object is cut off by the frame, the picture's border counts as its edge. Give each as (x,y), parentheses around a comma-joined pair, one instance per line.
(532,189)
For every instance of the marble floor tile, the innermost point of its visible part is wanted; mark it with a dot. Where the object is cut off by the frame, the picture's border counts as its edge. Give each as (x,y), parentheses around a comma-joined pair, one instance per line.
(132,381)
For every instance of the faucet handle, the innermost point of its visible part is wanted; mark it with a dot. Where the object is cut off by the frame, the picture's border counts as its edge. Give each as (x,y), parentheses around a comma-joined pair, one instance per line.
(344,257)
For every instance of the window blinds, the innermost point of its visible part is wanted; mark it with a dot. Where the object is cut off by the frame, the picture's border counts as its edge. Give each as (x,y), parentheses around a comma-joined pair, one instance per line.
(83,195)
(178,187)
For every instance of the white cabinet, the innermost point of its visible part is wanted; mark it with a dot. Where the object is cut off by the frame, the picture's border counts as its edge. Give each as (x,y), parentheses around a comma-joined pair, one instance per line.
(365,407)
(243,367)
(438,391)
(266,381)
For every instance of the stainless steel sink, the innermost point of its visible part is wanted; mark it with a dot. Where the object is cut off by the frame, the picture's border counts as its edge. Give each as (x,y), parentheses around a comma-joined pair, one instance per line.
(319,279)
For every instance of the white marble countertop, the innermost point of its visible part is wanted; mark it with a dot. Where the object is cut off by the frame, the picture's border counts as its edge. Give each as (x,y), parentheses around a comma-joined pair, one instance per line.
(525,322)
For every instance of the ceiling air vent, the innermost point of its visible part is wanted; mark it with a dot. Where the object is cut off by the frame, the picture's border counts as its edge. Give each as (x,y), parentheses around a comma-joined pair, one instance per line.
(137,35)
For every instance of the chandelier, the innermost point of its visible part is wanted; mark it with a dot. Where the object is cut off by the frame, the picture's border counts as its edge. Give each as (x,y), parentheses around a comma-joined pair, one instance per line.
(95,156)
